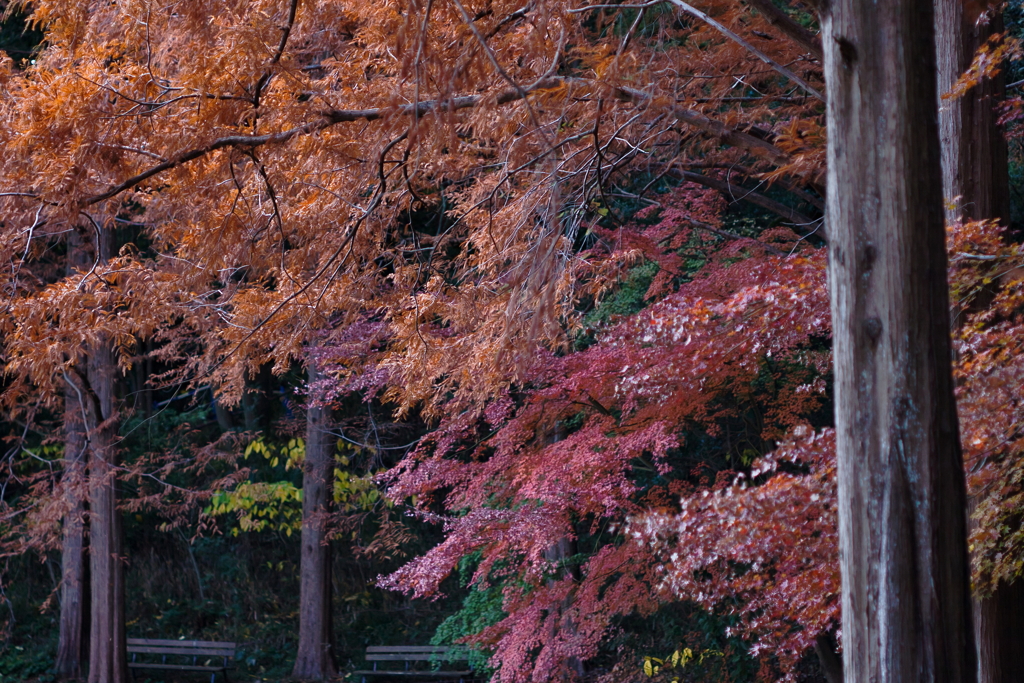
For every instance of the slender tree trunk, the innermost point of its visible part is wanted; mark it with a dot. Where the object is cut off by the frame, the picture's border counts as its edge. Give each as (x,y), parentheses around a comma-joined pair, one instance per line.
(107,655)
(902,521)
(315,660)
(72,644)
(975,170)
(557,553)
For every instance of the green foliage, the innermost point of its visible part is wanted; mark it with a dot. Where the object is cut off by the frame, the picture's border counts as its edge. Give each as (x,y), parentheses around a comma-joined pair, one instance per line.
(29,658)
(260,506)
(481,608)
(269,505)
(700,650)
(627,298)
(353,493)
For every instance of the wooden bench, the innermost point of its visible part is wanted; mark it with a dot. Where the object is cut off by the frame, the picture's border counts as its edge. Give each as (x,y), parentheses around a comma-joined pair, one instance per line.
(178,650)
(408,654)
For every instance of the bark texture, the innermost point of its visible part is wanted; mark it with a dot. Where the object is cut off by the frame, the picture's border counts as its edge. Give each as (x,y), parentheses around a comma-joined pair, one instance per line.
(975,173)
(315,660)
(902,521)
(107,655)
(975,169)
(1000,634)
(72,643)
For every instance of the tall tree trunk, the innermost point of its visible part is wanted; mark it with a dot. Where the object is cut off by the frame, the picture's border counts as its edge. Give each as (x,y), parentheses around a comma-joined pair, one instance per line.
(72,644)
(107,655)
(975,168)
(315,659)
(902,521)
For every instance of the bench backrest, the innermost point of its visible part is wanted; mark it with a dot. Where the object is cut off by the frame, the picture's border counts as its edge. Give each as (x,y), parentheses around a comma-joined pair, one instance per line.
(185,648)
(415,653)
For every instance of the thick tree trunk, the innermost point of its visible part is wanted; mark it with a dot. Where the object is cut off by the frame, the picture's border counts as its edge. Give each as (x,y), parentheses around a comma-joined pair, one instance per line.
(72,645)
(902,521)
(975,171)
(315,660)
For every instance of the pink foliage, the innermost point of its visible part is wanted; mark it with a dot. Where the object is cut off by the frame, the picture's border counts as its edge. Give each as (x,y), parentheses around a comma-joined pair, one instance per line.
(771,544)
(514,480)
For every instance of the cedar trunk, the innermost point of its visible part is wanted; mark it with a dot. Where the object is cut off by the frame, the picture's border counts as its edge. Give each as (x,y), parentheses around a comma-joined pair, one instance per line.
(902,522)
(315,660)
(975,175)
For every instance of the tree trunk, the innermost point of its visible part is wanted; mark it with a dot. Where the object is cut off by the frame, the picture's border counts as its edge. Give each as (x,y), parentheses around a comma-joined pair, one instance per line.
(107,655)
(976,180)
(975,168)
(1000,634)
(315,660)
(830,661)
(71,645)
(902,521)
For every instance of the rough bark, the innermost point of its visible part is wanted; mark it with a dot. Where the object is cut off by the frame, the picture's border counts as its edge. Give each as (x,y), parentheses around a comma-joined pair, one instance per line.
(975,164)
(975,171)
(1000,634)
(902,522)
(315,660)
(107,655)
(72,644)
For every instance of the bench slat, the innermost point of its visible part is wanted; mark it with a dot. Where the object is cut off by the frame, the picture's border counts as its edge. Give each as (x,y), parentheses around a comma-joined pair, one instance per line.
(415,648)
(181,643)
(416,657)
(381,672)
(182,652)
(175,667)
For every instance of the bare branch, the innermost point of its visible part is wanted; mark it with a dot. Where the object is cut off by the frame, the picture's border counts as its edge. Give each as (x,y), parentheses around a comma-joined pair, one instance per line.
(693,11)
(332,117)
(286,33)
(792,216)
(782,21)
(729,136)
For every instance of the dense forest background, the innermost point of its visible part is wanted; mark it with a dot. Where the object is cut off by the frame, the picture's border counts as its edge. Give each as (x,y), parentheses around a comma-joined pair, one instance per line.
(587,450)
